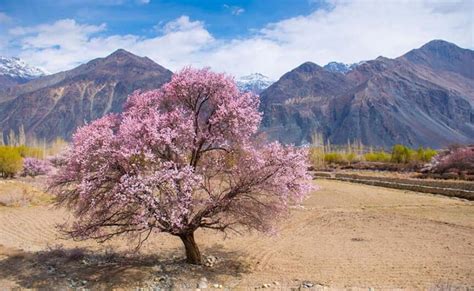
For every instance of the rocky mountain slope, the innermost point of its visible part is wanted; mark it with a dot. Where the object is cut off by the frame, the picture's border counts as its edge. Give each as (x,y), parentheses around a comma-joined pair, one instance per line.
(57,104)
(424,97)
(255,83)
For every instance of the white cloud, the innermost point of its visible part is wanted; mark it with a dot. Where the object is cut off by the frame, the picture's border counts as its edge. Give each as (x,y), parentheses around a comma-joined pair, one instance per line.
(358,30)
(347,31)
(66,43)
(4,18)
(234,10)
(182,23)
(238,11)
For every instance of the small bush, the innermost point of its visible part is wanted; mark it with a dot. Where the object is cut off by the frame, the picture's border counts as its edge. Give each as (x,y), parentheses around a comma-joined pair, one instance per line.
(316,157)
(402,154)
(32,152)
(334,158)
(34,167)
(351,158)
(425,154)
(456,160)
(401,157)
(382,157)
(319,159)
(10,161)
(59,159)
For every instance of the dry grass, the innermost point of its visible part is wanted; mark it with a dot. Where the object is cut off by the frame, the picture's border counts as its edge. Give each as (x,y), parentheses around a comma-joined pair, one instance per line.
(20,193)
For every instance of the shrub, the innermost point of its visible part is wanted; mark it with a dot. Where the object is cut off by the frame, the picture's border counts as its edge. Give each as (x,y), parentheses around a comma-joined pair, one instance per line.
(32,152)
(316,157)
(454,160)
(425,154)
(334,158)
(34,167)
(58,159)
(10,161)
(351,158)
(378,157)
(402,154)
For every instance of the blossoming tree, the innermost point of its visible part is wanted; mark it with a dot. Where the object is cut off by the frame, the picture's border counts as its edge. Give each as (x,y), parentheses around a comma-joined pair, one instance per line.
(177,159)
(34,167)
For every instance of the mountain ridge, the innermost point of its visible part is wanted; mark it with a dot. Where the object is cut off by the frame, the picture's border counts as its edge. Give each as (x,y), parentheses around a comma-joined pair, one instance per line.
(424,97)
(55,105)
(414,101)
(338,67)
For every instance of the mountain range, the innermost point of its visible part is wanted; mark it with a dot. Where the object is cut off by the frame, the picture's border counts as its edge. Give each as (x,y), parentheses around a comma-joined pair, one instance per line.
(55,105)
(424,97)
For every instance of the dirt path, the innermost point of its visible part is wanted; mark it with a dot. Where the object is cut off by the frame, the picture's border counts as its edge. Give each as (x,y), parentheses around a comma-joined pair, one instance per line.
(345,235)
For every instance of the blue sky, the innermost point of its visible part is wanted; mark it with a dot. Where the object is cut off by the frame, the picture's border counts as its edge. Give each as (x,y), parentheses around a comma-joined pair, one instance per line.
(238,37)
(224,19)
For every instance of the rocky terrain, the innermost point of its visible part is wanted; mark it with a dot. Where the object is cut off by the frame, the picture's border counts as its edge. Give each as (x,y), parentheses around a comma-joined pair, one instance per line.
(57,104)
(424,97)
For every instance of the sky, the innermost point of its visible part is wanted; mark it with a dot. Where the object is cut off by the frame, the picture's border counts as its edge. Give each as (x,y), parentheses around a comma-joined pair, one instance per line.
(234,36)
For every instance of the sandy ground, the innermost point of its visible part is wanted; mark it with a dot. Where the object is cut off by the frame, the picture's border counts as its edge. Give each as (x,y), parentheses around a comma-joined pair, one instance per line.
(345,235)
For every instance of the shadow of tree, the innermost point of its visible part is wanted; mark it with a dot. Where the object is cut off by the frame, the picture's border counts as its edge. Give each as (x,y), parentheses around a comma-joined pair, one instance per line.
(78,267)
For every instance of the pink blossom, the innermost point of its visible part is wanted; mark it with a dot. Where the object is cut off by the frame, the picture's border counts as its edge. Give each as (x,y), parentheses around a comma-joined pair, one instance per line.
(34,167)
(454,159)
(177,159)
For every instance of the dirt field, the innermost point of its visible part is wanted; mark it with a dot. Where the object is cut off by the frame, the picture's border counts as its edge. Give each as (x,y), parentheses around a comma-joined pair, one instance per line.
(345,235)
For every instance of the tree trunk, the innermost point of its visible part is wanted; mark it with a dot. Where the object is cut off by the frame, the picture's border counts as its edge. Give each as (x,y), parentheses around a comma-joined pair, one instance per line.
(193,256)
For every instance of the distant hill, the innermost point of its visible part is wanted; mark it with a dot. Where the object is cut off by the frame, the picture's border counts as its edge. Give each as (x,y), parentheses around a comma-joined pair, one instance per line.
(57,104)
(424,97)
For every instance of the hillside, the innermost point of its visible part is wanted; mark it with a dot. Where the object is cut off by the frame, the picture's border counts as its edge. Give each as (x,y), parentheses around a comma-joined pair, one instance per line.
(424,97)
(56,105)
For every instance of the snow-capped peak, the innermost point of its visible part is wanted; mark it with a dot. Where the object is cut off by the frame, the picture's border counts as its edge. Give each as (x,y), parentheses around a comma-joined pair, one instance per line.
(336,67)
(255,83)
(17,68)
(343,68)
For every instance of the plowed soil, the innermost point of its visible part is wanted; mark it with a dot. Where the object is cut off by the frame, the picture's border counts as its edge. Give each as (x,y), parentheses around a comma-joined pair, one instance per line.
(344,235)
